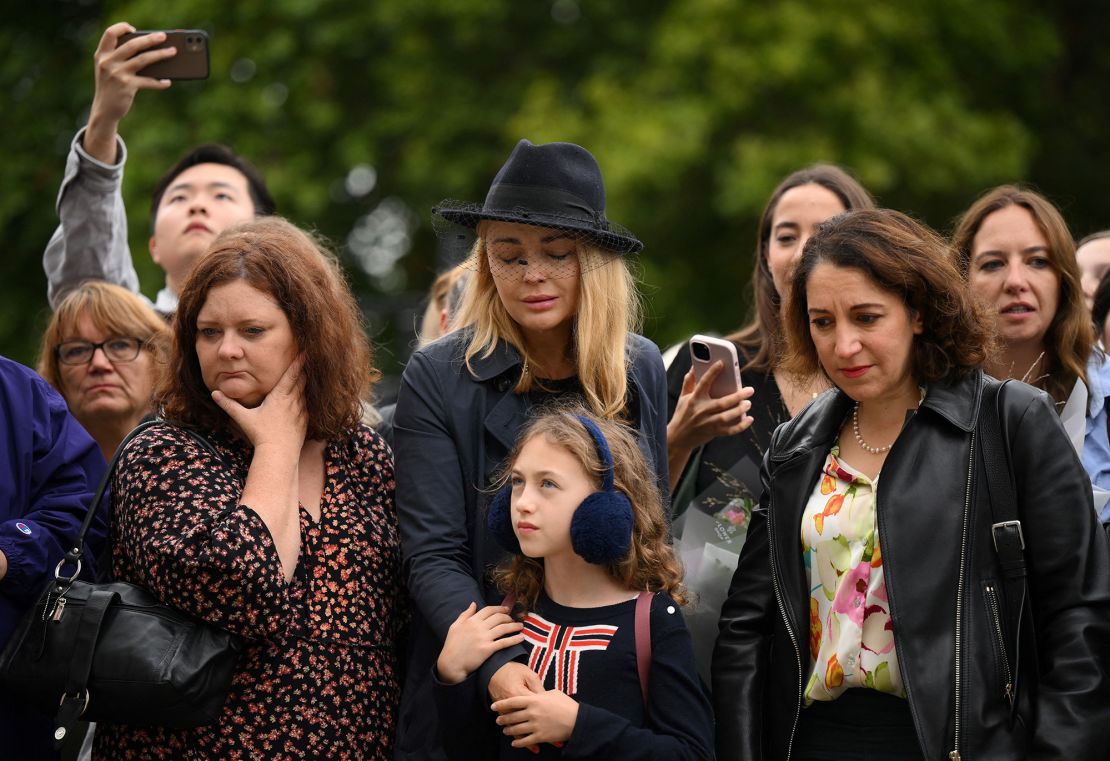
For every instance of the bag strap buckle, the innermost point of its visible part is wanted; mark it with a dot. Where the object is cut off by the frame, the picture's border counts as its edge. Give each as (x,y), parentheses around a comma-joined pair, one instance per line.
(76,698)
(1009,544)
(1007,529)
(67,579)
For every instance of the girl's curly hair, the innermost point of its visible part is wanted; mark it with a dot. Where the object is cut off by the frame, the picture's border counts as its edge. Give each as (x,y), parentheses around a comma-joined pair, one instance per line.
(650,563)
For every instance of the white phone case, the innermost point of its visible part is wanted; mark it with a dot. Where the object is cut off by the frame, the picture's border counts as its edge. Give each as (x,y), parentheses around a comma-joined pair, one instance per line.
(704,351)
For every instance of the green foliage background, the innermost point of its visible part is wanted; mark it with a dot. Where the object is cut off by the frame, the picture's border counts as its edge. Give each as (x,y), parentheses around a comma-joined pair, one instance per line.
(695,109)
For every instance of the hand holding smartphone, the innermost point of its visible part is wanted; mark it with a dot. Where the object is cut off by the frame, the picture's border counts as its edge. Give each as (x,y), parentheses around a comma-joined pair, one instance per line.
(190,61)
(706,350)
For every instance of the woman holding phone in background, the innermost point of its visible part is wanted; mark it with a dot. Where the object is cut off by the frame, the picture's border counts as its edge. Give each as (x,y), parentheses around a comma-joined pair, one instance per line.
(801,201)
(715,445)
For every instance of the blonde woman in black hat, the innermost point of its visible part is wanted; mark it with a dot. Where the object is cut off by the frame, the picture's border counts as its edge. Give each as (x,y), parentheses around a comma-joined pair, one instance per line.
(549,314)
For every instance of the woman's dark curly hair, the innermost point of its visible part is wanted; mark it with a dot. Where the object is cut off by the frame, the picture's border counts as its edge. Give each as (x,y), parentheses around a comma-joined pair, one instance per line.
(294,269)
(906,258)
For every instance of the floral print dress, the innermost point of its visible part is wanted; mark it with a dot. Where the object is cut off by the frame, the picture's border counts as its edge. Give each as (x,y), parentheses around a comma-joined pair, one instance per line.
(851,635)
(318,676)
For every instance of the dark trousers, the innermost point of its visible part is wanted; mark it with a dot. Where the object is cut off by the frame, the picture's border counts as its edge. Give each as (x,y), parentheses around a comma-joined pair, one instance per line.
(860,725)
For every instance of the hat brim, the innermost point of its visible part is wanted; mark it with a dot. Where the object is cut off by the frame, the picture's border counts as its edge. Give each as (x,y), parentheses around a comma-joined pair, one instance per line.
(611,240)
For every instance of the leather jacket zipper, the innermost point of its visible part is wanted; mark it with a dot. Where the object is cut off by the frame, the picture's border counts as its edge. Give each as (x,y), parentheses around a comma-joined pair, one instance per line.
(992,601)
(955,754)
(786,619)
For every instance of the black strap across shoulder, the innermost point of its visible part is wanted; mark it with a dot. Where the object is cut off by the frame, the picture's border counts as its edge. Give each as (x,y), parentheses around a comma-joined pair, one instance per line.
(73,557)
(1006,532)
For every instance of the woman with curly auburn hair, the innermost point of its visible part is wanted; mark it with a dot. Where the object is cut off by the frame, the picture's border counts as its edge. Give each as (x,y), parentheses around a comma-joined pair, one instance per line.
(592,572)
(283,529)
(549,313)
(893,617)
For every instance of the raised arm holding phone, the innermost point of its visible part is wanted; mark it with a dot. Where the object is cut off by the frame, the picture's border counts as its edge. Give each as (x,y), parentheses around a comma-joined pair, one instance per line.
(117,84)
(207,190)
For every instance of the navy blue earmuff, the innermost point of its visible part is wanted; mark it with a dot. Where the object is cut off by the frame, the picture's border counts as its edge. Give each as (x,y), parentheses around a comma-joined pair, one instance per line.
(499,519)
(601,529)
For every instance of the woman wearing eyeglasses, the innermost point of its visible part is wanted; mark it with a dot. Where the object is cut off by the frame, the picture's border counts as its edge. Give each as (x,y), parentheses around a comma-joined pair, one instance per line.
(103,351)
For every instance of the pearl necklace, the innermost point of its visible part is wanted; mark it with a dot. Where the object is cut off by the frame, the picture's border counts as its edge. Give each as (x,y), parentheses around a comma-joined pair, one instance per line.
(859,439)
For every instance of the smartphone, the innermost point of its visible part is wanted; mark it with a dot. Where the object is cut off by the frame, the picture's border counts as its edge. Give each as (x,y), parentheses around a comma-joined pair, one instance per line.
(190,61)
(704,351)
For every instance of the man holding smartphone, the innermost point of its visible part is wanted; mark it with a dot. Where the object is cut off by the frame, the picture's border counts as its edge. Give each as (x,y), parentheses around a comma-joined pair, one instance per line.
(208,190)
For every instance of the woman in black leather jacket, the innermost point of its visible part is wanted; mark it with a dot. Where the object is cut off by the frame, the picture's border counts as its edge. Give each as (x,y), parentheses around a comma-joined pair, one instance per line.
(880,623)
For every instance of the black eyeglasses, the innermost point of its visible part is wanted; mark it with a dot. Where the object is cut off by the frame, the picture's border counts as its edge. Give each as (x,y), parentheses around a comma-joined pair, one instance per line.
(119,349)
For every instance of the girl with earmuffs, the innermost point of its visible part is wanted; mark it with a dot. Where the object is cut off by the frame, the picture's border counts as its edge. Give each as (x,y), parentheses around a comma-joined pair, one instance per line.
(598,590)
(549,314)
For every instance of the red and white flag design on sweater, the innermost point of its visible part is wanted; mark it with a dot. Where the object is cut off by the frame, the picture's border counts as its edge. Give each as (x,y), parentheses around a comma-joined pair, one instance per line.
(559,647)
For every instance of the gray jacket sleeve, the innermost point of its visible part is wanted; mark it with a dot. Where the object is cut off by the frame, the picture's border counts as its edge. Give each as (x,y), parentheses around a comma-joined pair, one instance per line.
(91,240)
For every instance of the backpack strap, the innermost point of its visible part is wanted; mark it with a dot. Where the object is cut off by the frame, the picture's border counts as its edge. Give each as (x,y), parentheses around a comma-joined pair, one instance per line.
(643,641)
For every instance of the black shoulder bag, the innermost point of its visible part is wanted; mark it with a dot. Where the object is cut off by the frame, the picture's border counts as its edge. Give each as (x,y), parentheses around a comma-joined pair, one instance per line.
(1006,533)
(112,652)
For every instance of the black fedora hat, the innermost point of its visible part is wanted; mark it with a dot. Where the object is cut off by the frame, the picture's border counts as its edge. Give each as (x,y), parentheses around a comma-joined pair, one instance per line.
(555,185)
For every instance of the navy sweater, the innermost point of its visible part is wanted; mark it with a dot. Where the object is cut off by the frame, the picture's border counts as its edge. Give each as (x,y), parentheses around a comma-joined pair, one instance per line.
(590,653)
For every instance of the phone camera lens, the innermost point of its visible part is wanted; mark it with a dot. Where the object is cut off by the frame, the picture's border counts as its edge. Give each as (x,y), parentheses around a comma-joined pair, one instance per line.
(701,351)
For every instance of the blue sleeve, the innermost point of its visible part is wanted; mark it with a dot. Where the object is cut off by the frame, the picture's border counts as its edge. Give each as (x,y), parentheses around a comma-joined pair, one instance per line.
(679,716)
(48,475)
(1096,443)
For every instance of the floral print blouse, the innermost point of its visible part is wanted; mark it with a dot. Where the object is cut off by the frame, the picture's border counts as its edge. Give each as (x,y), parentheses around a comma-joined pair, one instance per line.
(318,677)
(851,636)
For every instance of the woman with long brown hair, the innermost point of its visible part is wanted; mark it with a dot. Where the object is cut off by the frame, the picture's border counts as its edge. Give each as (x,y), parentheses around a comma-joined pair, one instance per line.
(715,446)
(729,430)
(1019,258)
